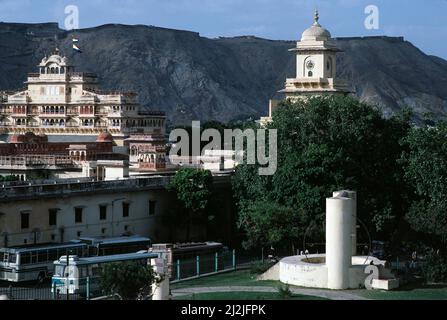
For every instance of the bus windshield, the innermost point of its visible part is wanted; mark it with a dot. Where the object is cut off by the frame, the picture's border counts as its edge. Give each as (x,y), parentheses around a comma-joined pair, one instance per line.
(59,271)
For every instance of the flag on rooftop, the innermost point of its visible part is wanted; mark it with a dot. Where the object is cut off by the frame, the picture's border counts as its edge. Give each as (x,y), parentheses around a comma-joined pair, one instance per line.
(75,45)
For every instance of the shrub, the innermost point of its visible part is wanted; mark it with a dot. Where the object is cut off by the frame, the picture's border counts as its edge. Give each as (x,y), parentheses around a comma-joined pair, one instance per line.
(260,267)
(435,268)
(284,291)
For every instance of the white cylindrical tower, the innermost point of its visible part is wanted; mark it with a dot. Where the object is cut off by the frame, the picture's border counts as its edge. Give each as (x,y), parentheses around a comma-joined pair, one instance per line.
(338,241)
(353,196)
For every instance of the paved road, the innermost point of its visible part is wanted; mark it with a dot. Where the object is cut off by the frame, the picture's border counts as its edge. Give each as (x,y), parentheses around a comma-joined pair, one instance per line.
(332,295)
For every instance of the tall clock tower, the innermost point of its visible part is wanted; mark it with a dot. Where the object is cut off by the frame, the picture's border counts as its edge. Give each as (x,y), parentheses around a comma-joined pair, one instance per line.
(316,67)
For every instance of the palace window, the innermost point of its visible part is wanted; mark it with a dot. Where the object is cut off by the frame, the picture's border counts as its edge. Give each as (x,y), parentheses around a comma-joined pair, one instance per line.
(78,215)
(52,90)
(102,212)
(52,217)
(152,206)
(126,207)
(24,220)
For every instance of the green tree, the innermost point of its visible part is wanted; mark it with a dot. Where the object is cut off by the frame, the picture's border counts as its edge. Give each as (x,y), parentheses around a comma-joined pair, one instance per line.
(425,163)
(193,190)
(10,178)
(129,280)
(263,223)
(326,144)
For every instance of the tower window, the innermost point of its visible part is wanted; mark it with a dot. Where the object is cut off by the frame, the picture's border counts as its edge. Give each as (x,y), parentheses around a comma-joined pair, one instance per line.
(310,74)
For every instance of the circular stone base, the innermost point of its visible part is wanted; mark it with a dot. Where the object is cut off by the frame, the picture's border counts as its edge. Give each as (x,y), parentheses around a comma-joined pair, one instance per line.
(311,271)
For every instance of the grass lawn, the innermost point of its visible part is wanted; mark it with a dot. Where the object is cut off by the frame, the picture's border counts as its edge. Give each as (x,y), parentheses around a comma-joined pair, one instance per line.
(236,278)
(407,293)
(244,278)
(244,296)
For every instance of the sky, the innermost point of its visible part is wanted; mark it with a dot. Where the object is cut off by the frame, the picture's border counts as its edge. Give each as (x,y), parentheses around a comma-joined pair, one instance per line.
(421,22)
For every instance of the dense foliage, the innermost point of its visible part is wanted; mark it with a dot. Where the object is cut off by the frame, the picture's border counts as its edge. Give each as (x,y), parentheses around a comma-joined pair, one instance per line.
(9,178)
(193,190)
(130,280)
(435,267)
(324,144)
(426,170)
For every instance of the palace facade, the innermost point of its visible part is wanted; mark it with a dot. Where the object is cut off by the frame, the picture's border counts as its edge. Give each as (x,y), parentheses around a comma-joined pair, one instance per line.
(60,101)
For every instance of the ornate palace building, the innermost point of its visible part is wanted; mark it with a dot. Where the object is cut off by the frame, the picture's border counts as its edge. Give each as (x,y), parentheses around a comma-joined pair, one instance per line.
(61,102)
(147,152)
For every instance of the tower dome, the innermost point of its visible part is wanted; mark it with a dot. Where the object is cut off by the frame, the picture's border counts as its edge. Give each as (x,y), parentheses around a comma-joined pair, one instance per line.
(316,32)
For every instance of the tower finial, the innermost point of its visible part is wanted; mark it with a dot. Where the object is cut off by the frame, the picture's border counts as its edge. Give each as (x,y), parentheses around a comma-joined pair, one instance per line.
(317,16)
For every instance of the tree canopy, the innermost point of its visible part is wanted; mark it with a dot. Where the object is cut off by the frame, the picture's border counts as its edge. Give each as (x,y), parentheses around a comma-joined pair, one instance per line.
(130,279)
(193,190)
(324,144)
(425,163)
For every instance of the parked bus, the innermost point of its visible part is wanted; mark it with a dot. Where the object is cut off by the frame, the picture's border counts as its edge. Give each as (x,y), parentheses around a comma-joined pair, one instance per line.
(182,257)
(30,263)
(80,269)
(120,245)
(35,262)
(186,251)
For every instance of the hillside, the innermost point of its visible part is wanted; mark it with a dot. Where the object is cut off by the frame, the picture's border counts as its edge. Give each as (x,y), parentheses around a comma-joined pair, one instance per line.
(192,77)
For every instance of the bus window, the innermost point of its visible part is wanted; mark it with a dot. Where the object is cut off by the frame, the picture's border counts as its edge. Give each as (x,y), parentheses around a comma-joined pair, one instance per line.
(2,254)
(33,255)
(42,256)
(83,272)
(52,255)
(12,258)
(25,258)
(96,270)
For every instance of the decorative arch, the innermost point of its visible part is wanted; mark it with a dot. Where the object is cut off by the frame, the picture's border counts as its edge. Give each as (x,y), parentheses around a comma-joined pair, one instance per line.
(305,73)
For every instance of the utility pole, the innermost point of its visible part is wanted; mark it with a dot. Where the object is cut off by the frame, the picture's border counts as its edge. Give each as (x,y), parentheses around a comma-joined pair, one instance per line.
(67,273)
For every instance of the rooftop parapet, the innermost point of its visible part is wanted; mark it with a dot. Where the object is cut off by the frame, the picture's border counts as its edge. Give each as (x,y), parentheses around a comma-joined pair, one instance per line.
(72,187)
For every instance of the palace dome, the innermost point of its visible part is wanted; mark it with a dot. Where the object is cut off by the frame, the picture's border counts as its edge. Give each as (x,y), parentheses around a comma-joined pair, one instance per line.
(104,137)
(316,32)
(54,58)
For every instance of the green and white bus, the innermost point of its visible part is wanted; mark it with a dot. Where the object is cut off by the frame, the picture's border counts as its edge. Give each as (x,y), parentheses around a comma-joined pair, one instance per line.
(81,275)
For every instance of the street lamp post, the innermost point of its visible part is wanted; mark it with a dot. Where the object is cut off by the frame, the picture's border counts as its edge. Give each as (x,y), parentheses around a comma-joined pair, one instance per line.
(67,273)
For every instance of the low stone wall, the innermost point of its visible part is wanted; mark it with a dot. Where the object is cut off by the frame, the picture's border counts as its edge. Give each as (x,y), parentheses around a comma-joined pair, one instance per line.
(311,271)
(271,274)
